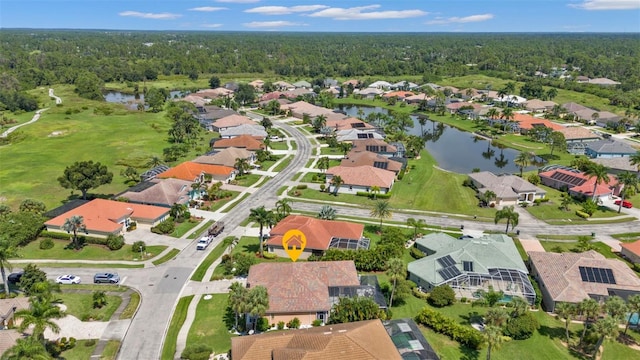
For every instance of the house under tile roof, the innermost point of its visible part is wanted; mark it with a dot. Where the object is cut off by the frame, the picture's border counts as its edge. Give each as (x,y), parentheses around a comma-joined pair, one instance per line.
(8,338)
(232,120)
(398,94)
(191,171)
(361,340)
(572,133)
(572,107)
(505,186)
(360,158)
(576,182)
(539,105)
(243,141)
(373,145)
(225,157)
(348,123)
(527,122)
(364,175)
(317,231)
(158,192)
(633,247)
(607,146)
(301,287)
(255,130)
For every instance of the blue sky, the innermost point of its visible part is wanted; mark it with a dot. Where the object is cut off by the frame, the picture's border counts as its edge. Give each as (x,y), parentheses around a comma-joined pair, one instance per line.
(327,15)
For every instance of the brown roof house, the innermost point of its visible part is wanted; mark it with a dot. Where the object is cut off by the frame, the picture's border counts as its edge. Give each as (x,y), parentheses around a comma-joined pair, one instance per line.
(243,142)
(320,234)
(231,121)
(360,178)
(360,158)
(226,157)
(308,290)
(362,340)
(537,105)
(572,277)
(509,189)
(160,192)
(377,146)
(631,251)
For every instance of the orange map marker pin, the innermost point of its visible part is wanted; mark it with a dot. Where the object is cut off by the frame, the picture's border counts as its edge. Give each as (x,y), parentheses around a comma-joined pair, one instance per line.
(294,242)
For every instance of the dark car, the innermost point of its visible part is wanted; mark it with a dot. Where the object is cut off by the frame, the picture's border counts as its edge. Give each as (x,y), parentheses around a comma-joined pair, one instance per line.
(111,278)
(14,278)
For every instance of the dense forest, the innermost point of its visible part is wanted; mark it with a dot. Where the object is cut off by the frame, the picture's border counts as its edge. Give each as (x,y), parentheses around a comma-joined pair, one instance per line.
(30,58)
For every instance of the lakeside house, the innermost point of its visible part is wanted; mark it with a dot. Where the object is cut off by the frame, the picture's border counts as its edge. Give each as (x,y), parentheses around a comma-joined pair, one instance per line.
(608,148)
(576,182)
(226,157)
(360,178)
(247,142)
(509,189)
(631,251)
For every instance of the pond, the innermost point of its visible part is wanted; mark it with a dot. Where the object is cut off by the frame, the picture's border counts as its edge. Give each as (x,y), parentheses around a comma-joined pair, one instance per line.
(132,100)
(454,150)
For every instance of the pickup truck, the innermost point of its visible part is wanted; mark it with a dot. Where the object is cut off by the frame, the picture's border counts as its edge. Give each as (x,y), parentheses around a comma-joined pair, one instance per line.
(203,242)
(216,229)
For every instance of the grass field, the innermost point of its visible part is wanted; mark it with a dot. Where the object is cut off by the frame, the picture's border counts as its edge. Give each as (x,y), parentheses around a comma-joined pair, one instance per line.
(208,326)
(220,203)
(247,180)
(183,228)
(89,252)
(166,257)
(179,315)
(111,350)
(550,211)
(204,227)
(80,305)
(283,164)
(132,306)
(198,275)
(82,350)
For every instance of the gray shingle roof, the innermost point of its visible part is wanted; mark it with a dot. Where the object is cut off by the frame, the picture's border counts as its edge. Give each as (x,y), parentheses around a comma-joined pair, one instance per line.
(610,147)
(506,186)
(244,129)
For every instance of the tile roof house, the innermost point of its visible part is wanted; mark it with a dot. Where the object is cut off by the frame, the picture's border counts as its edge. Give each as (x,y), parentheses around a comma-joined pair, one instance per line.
(305,290)
(348,123)
(380,85)
(471,264)
(258,84)
(608,148)
(416,99)
(208,114)
(398,94)
(401,85)
(243,142)
(255,130)
(572,107)
(369,93)
(360,178)
(578,134)
(608,119)
(8,338)
(362,340)
(603,82)
(377,146)
(195,172)
(160,192)
(321,235)
(537,105)
(527,122)
(302,84)
(509,189)
(214,93)
(295,93)
(572,277)
(274,95)
(299,108)
(631,251)
(577,183)
(8,307)
(360,158)
(617,165)
(283,86)
(226,157)
(231,121)
(105,217)
(350,135)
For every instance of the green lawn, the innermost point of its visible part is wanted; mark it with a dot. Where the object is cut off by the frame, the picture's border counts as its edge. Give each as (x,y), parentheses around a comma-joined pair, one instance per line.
(266,165)
(111,350)
(80,305)
(217,204)
(166,257)
(247,179)
(281,190)
(198,275)
(132,306)
(184,227)
(177,320)
(282,165)
(551,210)
(330,151)
(627,237)
(204,227)
(278,145)
(248,245)
(82,350)
(325,196)
(89,252)
(235,203)
(308,177)
(332,163)
(85,265)
(208,326)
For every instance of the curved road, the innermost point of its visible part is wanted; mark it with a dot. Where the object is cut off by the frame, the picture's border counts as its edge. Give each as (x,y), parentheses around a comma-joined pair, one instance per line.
(35,118)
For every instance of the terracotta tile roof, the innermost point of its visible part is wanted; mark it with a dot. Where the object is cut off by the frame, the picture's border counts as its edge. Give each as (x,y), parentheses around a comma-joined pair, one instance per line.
(190,171)
(359,158)
(363,176)
(232,120)
(577,132)
(214,93)
(633,247)
(461,104)
(361,340)
(527,122)
(361,145)
(6,306)
(274,95)
(353,82)
(348,123)
(226,157)
(579,182)
(300,108)
(317,231)
(399,94)
(418,97)
(104,215)
(561,277)
(243,141)
(302,287)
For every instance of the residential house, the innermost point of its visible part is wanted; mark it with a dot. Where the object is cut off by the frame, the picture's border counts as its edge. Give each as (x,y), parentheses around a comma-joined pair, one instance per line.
(257,84)
(586,115)
(404,85)
(509,189)
(631,251)
(302,84)
(307,290)
(360,158)
(329,82)
(274,95)
(603,82)
(525,122)
(296,93)
(196,100)
(463,108)
(471,265)
(576,182)
(247,142)
(283,86)
(8,338)
(416,99)
(160,192)
(8,308)
(321,235)
(153,172)
(231,86)
(374,145)
(400,151)
(608,119)
(608,148)
(400,94)
(348,123)
(383,85)
(350,135)
(360,178)
(214,93)
(299,108)
(108,217)
(231,121)
(572,277)
(577,138)
(617,165)
(353,82)
(537,105)
(582,79)
(254,130)
(195,172)
(369,93)
(512,100)
(363,340)
(208,114)
(226,157)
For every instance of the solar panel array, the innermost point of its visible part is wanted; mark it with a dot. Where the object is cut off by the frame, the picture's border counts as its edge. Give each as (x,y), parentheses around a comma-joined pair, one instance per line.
(446,261)
(568,179)
(449,272)
(597,275)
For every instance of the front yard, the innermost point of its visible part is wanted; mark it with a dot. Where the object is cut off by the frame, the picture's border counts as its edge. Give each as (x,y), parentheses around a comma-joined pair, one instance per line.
(88,252)
(79,304)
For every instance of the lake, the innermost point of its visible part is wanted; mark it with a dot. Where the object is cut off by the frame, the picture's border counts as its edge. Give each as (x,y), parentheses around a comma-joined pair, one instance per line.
(132,100)
(454,150)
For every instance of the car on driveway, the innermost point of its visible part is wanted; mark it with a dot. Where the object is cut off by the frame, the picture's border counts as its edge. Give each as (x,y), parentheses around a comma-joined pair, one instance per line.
(625,203)
(15,277)
(110,278)
(68,279)
(203,242)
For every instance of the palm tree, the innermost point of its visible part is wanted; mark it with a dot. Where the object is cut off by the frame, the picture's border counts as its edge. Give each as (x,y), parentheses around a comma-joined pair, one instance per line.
(589,308)
(552,93)
(635,158)
(319,122)
(283,208)
(40,315)
(337,182)
(154,161)
(519,306)
(242,165)
(323,163)
(345,147)
(7,251)
(496,316)
(381,209)
(327,213)
(507,115)
(417,225)
(375,190)
(493,113)
(599,172)
(264,218)
(266,143)
(72,225)
(510,214)
(628,180)
(257,302)
(605,328)
(489,196)
(237,299)
(493,337)
(395,271)
(28,348)
(566,200)
(422,120)
(566,311)
(633,302)
(523,160)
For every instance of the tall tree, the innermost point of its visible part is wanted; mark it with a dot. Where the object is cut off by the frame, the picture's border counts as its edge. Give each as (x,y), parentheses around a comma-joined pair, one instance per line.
(416,224)
(28,348)
(242,165)
(493,337)
(396,271)
(509,213)
(566,311)
(283,208)
(85,175)
(496,316)
(214,82)
(599,173)
(72,225)
(245,94)
(382,210)
(589,309)
(7,251)
(633,303)
(323,163)
(629,182)
(337,181)
(605,328)
(523,160)
(237,300)
(264,218)
(257,303)
(40,314)
(358,308)
(557,141)
(507,115)
(616,307)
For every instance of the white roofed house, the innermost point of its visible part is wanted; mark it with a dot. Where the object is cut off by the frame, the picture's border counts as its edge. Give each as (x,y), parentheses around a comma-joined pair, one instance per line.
(369,93)
(254,130)
(509,189)
(380,85)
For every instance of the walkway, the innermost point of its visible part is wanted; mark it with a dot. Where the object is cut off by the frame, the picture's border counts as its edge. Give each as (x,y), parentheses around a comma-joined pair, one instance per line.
(35,118)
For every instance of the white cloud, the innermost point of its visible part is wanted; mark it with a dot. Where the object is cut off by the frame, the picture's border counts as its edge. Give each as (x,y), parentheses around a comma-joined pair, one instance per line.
(284,10)
(461,20)
(607,5)
(238,1)
(211,26)
(157,16)
(270,24)
(365,13)
(207,8)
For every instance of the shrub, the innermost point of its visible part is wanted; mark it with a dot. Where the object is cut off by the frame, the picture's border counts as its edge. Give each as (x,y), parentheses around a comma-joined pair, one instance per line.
(294,323)
(534,179)
(115,242)
(420,294)
(280,325)
(316,322)
(323,187)
(136,246)
(99,299)
(416,253)
(263,324)
(90,342)
(268,255)
(46,244)
(165,227)
(589,207)
(521,327)
(196,352)
(463,300)
(582,214)
(465,335)
(301,186)
(442,295)
(401,174)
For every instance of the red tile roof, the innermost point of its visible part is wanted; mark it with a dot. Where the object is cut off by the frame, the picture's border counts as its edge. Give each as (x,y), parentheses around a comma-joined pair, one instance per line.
(527,122)
(243,141)
(633,247)
(233,120)
(318,232)
(583,184)
(302,287)
(399,94)
(190,171)
(346,124)
(103,215)
(364,175)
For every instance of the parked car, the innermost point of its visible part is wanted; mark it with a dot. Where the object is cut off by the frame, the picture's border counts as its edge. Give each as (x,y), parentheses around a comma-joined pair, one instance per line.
(274,138)
(68,279)
(203,242)
(110,278)
(625,203)
(14,278)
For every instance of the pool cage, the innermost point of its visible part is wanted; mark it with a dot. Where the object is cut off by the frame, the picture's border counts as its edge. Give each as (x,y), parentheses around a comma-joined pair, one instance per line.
(349,244)
(511,282)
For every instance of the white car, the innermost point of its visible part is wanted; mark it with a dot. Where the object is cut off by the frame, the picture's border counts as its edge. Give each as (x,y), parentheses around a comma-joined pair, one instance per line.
(68,279)
(203,242)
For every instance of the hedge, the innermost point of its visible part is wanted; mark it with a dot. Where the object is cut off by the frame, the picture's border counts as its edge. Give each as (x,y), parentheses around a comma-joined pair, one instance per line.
(465,335)
(416,253)
(371,195)
(582,214)
(81,238)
